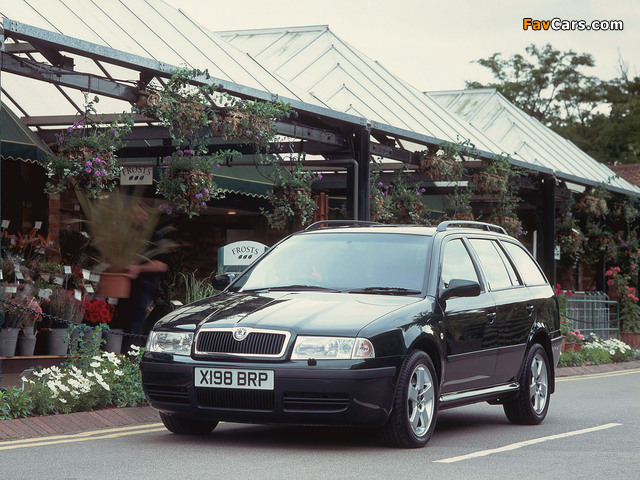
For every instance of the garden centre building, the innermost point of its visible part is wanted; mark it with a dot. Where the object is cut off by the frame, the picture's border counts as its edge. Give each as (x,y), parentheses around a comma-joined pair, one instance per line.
(353,119)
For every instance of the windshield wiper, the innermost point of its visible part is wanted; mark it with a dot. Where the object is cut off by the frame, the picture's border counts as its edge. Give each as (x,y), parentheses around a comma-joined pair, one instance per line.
(284,288)
(385,291)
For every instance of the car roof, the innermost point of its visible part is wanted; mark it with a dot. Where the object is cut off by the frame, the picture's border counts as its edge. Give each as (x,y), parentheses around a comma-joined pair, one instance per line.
(427,230)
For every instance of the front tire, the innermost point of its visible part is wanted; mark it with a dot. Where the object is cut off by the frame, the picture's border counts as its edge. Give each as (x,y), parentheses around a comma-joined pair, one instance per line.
(415,407)
(186,426)
(532,403)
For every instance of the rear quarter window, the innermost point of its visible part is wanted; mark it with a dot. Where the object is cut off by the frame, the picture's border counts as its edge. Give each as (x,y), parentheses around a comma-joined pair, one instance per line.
(529,270)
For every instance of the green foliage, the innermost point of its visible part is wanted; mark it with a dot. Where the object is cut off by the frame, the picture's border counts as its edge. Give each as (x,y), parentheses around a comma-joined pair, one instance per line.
(399,202)
(571,359)
(197,289)
(628,296)
(14,403)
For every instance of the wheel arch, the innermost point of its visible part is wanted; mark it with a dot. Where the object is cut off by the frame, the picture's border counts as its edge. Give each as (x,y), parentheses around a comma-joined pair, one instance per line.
(429,346)
(542,337)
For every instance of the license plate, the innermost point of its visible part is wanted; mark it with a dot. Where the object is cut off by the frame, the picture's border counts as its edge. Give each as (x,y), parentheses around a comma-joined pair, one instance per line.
(234,378)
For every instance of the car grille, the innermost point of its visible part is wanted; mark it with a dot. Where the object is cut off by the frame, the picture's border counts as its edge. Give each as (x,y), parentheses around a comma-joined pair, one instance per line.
(162,393)
(257,343)
(235,399)
(316,402)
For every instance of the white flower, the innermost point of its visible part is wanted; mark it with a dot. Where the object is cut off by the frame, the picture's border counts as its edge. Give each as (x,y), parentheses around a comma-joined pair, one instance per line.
(62,400)
(119,373)
(94,364)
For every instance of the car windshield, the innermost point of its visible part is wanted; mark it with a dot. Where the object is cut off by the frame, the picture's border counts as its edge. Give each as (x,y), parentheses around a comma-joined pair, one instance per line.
(375,263)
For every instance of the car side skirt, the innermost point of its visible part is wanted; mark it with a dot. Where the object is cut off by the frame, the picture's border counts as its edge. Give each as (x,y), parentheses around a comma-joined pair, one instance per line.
(456,399)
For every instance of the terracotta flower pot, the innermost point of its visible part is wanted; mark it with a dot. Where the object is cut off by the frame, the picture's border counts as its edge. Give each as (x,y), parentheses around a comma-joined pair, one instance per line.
(114,285)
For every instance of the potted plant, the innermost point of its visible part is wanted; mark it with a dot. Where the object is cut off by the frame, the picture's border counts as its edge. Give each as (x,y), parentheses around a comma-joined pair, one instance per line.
(594,202)
(121,236)
(573,341)
(27,338)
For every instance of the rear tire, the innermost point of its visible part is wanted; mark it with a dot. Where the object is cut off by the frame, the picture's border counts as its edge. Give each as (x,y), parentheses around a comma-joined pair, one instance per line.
(186,426)
(415,407)
(532,403)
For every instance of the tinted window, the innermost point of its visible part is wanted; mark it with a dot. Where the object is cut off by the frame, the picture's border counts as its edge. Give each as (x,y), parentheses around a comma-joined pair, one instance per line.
(529,270)
(457,263)
(493,263)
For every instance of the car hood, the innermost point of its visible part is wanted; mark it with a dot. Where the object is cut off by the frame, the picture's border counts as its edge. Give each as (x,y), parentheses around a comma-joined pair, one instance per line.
(314,313)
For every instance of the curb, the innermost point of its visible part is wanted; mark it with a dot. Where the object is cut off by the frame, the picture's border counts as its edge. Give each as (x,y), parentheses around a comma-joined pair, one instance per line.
(46,425)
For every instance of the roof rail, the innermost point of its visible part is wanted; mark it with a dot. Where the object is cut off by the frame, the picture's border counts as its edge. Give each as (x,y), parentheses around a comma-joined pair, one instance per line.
(462,223)
(338,223)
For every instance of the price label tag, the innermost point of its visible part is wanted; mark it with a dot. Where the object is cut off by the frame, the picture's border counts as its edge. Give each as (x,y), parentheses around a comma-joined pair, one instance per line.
(94,278)
(86,274)
(11,289)
(19,276)
(38,225)
(67,270)
(45,292)
(89,288)
(45,276)
(78,295)
(5,223)
(1,274)
(58,281)
(113,301)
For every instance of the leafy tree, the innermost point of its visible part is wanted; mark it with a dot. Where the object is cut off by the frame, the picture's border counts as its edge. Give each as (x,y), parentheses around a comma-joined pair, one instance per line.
(600,117)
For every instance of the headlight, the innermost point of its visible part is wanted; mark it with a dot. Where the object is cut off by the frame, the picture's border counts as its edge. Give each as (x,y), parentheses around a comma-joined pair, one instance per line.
(177,343)
(324,348)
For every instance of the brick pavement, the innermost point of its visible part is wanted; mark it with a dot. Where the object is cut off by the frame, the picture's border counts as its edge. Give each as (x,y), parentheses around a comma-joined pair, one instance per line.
(119,417)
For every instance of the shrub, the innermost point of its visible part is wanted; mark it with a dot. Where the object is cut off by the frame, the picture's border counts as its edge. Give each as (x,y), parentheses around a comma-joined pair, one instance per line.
(571,359)
(14,403)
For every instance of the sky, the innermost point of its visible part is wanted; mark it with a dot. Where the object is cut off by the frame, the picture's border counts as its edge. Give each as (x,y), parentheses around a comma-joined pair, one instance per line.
(432,45)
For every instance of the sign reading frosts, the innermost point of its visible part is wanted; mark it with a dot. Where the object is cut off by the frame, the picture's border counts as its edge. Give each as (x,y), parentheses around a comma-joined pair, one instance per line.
(235,257)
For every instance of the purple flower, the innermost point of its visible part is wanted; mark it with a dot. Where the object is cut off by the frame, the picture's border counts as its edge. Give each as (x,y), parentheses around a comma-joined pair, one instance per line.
(88,170)
(199,196)
(204,204)
(104,172)
(248,133)
(217,166)
(89,164)
(70,129)
(319,176)
(206,190)
(380,184)
(97,173)
(180,152)
(422,190)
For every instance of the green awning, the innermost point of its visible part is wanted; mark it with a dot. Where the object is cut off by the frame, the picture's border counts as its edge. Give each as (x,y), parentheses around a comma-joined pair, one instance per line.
(244,179)
(18,142)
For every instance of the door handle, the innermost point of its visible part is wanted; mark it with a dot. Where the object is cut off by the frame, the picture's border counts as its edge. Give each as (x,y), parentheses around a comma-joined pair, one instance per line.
(491,316)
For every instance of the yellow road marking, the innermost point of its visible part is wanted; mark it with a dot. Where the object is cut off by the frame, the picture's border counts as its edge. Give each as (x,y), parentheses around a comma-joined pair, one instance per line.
(82,437)
(598,375)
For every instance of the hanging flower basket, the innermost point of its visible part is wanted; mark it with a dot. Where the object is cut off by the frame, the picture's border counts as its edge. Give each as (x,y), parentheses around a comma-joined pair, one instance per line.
(438,168)
(511,224)
(490,182)
(590,204)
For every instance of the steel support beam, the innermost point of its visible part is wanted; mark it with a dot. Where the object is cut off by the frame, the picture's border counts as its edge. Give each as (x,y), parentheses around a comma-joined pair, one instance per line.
(549,227)
(67,78)
(363,156)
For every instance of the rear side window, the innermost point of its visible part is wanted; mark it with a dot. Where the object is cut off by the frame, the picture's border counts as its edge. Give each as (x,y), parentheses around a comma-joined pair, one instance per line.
(496,267)
(457,263)
(528,268)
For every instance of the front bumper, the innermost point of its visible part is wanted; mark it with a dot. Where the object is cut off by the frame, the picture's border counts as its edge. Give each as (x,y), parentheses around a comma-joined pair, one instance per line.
(302,394)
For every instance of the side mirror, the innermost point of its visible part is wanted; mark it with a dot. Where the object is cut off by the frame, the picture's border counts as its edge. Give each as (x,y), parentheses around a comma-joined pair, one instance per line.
(461,288)
(220,282)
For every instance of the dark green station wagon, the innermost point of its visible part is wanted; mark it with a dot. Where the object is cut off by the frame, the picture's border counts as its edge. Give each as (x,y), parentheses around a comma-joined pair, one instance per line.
(363,325)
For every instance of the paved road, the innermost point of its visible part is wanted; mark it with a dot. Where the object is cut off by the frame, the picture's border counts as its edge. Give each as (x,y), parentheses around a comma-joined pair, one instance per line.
(590,432)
